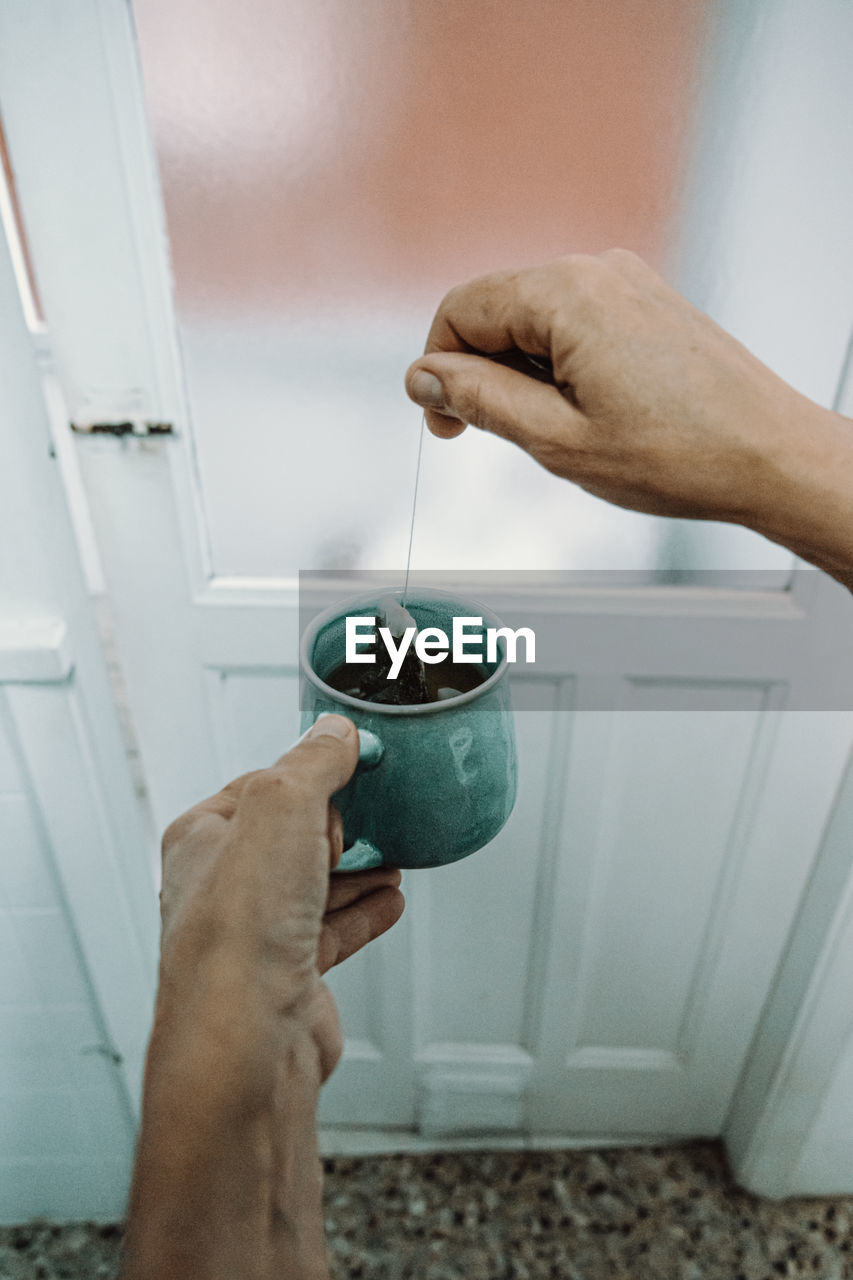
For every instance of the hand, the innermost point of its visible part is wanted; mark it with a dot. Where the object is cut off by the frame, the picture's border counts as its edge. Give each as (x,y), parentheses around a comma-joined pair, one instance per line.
(360,906)
(652,406)
(247,892)
(227,1178)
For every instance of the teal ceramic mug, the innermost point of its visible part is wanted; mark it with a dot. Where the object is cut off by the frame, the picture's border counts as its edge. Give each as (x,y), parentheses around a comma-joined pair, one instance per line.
(434,782)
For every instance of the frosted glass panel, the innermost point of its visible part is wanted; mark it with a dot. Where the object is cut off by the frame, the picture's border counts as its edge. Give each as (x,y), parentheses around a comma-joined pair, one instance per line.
(329,170)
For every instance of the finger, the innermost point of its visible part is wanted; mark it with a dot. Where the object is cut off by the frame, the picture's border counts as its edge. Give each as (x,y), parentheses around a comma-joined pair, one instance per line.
(224,803)
(540,311)
(499,311)
(327,753)
(348,886)
(425,389)
(286,807)
(346,931)
(335,831)
(220,805)
(532,414)
(487,315)
(326,1031)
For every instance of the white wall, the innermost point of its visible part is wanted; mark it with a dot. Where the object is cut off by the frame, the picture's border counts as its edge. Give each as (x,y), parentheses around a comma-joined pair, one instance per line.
(767,249)
(66,1130)
(826,1159)
(790,1128)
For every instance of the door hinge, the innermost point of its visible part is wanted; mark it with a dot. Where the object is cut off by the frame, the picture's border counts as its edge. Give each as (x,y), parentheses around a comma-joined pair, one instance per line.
(126,427)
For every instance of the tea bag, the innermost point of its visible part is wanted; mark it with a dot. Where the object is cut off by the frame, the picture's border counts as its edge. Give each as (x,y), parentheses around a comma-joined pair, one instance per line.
(394,615)
(415,682)
(410,686)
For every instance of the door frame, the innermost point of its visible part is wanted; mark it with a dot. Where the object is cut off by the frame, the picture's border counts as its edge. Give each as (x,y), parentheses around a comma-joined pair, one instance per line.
(100,171)
(57,708)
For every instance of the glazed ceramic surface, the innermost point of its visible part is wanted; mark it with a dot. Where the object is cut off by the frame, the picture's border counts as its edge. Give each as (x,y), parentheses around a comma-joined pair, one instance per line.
(435,782)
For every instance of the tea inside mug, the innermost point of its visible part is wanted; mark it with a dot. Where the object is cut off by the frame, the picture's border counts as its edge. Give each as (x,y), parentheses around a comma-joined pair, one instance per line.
(430,684)
(416,683)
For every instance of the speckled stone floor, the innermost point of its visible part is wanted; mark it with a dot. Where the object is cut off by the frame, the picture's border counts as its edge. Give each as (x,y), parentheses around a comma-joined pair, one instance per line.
(663,1213)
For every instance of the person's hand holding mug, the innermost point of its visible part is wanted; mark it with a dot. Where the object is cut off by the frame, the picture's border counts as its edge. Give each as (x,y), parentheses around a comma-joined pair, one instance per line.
(227,1178)
(652,406)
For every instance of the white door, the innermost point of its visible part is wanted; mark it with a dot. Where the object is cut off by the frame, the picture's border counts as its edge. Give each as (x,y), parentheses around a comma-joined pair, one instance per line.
(78,916)
(602,967)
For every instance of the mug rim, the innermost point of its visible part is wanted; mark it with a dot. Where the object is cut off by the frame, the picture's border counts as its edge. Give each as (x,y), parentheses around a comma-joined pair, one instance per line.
(334,613)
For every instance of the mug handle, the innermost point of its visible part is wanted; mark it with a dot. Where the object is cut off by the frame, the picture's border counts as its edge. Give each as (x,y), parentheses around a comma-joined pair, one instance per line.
(362,854)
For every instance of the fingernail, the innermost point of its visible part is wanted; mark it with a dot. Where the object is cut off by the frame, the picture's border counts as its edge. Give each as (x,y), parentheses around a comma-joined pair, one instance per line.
(426,390)
(328,725)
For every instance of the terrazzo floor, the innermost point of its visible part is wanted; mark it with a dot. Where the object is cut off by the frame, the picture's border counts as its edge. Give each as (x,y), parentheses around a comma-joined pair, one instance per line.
(662,1213)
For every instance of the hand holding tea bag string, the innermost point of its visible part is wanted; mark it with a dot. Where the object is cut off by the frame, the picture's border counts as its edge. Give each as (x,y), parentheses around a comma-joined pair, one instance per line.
(650,405)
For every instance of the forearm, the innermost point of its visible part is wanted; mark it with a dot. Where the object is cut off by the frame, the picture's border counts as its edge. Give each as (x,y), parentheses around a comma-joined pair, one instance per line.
(807,501)
(227,1179)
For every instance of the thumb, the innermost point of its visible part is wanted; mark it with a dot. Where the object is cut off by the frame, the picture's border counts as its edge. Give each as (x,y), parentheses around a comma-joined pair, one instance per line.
(286,807)
(325,755)
(455,388)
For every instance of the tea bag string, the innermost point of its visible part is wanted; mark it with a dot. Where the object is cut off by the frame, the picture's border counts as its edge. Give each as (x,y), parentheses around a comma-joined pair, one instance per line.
(414,508)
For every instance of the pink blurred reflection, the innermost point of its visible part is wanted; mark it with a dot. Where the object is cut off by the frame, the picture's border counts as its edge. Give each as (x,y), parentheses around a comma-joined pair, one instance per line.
(328,151)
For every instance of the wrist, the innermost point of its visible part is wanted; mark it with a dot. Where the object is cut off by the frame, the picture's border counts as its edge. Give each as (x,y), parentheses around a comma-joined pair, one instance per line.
(805,498)
(221,955)
(218,1022)
(227,1176)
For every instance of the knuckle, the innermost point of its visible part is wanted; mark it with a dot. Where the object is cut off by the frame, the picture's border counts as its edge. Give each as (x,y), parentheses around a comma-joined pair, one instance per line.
(466,396)
(452,298)
(274,787)
(576,264)
(465,401)
(617,254)
(583,273)
(473,295)
(233,788)
(454,303)
(336,828)
(596,279)
(580,287)
(528,289)
(624,261)
(177,831)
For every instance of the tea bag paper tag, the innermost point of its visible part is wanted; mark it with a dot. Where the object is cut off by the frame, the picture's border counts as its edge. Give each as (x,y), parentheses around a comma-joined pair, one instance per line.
(397,617)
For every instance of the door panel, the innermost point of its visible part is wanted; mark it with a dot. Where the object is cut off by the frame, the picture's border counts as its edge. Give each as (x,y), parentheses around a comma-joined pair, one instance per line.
(478,968)
(674,781)
(256,717)
(647,1017)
